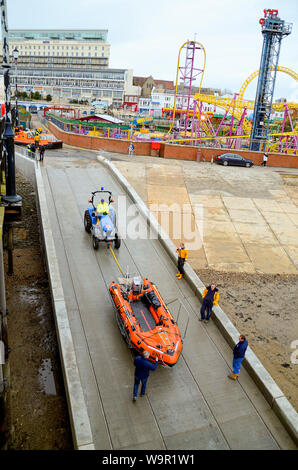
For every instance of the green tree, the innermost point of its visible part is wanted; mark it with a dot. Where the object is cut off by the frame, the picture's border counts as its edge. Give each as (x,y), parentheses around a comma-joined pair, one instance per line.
(49,98)
(36,95)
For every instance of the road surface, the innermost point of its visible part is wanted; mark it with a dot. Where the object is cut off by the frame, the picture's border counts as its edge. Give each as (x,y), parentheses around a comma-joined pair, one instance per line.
(191,406)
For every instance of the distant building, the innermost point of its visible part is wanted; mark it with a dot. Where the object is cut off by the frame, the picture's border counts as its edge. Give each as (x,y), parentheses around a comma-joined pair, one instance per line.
(68,64)
(204,91)
(145,106)
(161,103)
(105,118)
(108,84)
(147,84)
(130,102)
(281,100)
(278,115)
(61,48)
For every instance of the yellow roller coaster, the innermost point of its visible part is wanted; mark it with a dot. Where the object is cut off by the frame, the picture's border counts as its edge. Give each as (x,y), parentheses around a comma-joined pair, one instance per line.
(245,84)
(236,106)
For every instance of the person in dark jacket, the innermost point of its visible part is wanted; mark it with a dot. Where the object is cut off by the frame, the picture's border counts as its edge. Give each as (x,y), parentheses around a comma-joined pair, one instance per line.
(143,367)
(33,148)
(41,153)
(210,298)
(265,158)
(238,356)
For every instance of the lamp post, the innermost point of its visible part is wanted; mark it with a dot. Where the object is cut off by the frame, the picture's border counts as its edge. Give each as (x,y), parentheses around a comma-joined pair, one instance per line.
(15,54)
(11,198)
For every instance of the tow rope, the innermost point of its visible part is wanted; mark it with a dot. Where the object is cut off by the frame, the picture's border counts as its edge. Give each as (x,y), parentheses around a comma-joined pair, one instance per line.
(112,251)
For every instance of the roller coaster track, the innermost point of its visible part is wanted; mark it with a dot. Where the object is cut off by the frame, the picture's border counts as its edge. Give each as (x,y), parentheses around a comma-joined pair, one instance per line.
(228,104)
(237,106)
(177,76)
(253,75)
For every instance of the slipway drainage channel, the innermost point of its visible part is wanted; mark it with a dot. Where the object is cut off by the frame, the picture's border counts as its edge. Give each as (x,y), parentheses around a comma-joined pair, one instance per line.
(273,394)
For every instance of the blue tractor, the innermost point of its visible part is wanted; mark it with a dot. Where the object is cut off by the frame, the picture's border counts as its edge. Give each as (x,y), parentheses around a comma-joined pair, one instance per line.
(102,226)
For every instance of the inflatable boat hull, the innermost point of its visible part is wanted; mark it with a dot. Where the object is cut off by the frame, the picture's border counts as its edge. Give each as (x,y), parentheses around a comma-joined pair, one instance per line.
(146,322)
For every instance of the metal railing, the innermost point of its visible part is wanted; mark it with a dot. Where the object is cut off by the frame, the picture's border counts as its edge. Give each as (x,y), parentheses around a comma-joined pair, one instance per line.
(181,307)
(231,143)
(90,130)
(26,153)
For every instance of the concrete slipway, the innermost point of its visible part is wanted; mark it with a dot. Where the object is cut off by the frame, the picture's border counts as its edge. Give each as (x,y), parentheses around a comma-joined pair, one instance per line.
(191,406)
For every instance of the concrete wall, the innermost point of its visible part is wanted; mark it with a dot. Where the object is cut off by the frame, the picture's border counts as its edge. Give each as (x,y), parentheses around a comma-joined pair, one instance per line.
(26,166)
(185,152)
(99,143)
(180,152)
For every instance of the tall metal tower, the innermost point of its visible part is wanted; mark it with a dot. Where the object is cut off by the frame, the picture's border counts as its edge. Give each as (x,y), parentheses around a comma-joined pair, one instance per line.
(188,74)
(274,30)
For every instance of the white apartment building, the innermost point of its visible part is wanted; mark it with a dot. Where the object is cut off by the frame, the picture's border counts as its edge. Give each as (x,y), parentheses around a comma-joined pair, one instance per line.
(67,64)
(58,48)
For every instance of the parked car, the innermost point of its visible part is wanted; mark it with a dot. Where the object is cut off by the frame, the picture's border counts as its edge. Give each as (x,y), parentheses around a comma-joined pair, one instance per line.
(33,109)
(233,159)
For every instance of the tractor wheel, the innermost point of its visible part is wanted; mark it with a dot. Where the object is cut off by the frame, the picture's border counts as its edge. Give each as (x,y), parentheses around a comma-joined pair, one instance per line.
(117,242)
(94,243)
(87,222)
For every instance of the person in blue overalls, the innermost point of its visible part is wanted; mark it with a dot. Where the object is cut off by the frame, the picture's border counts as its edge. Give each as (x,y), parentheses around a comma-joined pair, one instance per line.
(238,356)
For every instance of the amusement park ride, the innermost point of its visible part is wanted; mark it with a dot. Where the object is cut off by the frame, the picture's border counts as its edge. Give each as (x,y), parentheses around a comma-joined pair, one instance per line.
(274,30)
(195,125)
(245,123)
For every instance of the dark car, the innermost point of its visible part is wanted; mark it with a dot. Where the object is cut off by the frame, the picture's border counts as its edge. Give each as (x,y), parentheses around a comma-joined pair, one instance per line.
(233,159)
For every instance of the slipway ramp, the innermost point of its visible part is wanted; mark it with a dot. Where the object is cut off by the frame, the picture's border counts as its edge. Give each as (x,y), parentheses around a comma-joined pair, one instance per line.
(190,406)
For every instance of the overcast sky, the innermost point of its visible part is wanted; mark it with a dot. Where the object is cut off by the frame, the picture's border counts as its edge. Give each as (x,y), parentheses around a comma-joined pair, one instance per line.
(146,35)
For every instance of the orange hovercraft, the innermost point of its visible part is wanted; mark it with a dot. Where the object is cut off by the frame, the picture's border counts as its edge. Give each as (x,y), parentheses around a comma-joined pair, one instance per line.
(46,140)
(145,321)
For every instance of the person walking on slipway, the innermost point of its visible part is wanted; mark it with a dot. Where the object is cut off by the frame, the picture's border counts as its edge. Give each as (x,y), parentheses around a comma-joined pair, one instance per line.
(142,370)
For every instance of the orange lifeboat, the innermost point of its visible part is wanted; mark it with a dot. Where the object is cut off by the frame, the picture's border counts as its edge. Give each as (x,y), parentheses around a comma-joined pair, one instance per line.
(145,321)
(46,140)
